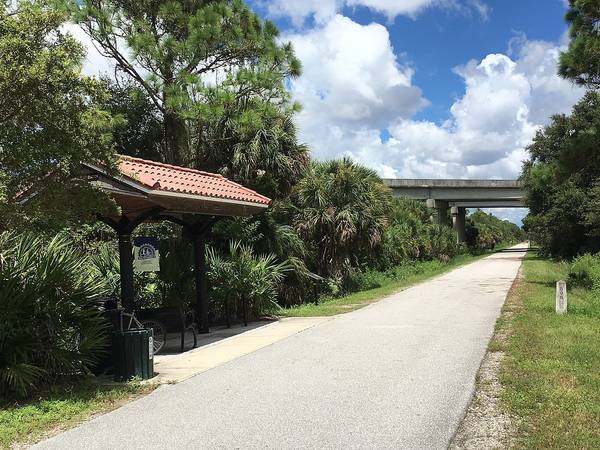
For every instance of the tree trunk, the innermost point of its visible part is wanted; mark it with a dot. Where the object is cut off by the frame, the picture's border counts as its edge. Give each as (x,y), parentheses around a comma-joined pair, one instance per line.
(176,138)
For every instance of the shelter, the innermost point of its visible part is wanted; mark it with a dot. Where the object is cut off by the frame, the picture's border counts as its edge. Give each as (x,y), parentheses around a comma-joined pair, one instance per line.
(148,190)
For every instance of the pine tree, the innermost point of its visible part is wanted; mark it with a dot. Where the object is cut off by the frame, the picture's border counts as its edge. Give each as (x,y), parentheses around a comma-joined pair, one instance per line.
(581,62)
(195,59)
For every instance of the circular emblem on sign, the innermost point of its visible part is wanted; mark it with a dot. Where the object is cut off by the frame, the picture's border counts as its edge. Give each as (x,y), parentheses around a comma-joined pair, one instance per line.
(146,251)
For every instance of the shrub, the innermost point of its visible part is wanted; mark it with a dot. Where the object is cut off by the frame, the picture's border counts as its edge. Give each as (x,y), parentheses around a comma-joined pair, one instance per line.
(400,244)
(443,242)
(406,238)
(585,271)
(105,261)
(49,326)
(363,281)
(242,279)
(176,277)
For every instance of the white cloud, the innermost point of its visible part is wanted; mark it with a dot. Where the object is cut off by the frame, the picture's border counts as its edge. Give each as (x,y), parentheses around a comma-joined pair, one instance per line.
(348,99)
(353,86)
(352,80)
(95,64)
(393,8)
(322,10)
(299,11)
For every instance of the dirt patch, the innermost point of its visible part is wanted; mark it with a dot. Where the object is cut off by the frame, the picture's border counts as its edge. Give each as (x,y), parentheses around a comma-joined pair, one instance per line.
(486,425)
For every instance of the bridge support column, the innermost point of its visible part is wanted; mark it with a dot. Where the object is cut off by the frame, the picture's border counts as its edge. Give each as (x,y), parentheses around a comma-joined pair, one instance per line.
(441,211)
(459,222)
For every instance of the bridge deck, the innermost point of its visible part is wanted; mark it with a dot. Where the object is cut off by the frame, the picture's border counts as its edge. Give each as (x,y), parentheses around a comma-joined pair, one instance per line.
(452,183)
(461,193)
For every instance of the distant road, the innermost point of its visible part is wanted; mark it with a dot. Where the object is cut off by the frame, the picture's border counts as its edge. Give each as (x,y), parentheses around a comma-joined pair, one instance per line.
(396,374)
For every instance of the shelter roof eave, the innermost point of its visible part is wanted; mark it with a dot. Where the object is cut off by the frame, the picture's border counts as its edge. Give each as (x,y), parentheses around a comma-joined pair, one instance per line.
(133,197)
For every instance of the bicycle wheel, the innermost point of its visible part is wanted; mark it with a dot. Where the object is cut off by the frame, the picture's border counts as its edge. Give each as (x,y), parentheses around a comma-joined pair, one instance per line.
(159,332)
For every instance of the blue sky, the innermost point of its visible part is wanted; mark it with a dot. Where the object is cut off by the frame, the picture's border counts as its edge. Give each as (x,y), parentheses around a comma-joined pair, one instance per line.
(439,39)
(423,88)
(426,88)
(449,39)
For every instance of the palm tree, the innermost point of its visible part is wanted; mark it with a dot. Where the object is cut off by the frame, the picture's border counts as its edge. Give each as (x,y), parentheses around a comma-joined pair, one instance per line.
(260,151)
(50,324)
(247,280)
(341,210)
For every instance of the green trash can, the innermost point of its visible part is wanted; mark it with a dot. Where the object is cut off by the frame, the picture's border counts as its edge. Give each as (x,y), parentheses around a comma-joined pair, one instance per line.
(133,356)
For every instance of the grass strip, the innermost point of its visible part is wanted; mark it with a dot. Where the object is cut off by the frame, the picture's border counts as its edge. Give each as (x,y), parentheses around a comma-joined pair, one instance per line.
(551,375)
(61,407)
(389,282)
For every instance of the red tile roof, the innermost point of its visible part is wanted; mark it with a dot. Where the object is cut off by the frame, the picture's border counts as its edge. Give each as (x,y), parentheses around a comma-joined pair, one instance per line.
(166,177)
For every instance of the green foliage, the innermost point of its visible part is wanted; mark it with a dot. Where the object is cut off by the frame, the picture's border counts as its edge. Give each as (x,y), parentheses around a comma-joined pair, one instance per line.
(443,242)
(340,211)
(214,71)
(581,62)
(400,243)
(552,368)
(561,182)
(264,154)
(268,233)
(173,285)
(374,279)
(139,131)
(49,326)
(242,279)
(485,231)
(105,262)
(49,120)
(176,276)
(363,281)
(411,236)
(406,237)
(585,271)
(70,402)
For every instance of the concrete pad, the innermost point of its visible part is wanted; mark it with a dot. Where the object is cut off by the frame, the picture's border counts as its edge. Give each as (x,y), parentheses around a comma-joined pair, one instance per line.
(175,368)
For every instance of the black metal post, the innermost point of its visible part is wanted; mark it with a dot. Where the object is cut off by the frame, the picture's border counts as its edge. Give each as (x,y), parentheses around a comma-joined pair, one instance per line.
(245,310)
(227,313)
(126,270)
(124,227)
(201,285)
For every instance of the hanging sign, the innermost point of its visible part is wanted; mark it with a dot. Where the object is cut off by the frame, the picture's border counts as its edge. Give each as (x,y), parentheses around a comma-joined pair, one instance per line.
(146,256)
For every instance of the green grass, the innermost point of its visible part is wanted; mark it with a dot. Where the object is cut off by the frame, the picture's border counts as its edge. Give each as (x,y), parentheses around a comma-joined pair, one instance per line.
(59,408)
(551,375)
(393,281)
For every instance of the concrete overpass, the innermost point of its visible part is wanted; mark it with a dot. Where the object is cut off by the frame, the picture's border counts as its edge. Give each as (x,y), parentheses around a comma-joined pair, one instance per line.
(458,195)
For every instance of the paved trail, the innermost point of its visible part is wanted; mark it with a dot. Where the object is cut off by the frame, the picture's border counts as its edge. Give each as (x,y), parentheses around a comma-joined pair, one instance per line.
(397,374)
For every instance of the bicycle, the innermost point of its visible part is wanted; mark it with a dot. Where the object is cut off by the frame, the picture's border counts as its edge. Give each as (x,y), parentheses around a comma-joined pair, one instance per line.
(158,329)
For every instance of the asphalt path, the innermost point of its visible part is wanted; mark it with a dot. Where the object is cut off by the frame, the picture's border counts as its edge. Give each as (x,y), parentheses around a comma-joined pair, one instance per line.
(396,374)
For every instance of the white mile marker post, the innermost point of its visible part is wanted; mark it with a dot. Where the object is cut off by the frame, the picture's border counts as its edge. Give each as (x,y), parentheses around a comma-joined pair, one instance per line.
(561,297)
